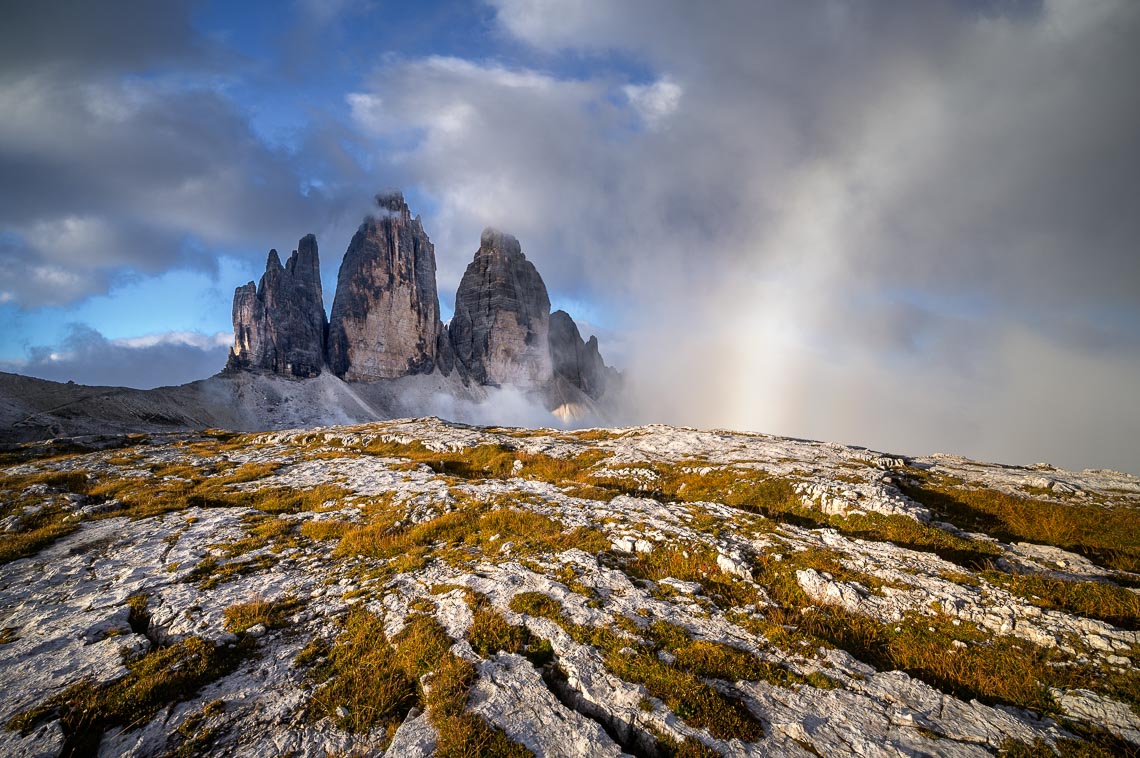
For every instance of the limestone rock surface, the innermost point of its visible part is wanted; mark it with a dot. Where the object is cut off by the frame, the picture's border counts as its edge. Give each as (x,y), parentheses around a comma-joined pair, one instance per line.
(385,315)
(572,648)
(500,331)
(280,324)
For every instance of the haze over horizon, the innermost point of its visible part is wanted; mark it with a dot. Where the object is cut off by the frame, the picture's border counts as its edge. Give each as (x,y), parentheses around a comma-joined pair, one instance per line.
(910,226)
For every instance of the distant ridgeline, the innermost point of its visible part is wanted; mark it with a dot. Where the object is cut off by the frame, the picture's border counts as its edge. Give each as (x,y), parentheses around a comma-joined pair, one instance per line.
(385,317)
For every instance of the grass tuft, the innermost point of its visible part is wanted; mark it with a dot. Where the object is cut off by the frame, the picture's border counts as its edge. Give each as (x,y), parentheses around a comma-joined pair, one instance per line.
(163,676)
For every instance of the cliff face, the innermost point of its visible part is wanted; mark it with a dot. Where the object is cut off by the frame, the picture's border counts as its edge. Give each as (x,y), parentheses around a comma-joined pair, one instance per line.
(577,361)
(280,325)
(385,315)
(502,316)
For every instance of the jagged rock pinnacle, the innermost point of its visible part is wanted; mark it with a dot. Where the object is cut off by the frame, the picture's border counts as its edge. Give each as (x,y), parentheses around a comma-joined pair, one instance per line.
(385,315)
(502,314)
(280,325)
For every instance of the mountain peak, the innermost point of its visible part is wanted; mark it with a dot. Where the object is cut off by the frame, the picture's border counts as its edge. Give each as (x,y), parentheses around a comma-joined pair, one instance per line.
(496,241)
(392,201)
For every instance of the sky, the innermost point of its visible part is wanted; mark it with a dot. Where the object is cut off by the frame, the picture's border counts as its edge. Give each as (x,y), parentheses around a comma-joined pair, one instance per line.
(910,226)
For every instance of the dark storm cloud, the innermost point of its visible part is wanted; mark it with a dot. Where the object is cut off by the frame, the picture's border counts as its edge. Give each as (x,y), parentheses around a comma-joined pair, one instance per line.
(95,37)
(121,150)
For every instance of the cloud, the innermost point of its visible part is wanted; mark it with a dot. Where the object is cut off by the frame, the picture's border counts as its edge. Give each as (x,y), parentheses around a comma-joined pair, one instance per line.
(140,160)
(87,357)
(655,102)
(907,225)
(78,35)
(856,215)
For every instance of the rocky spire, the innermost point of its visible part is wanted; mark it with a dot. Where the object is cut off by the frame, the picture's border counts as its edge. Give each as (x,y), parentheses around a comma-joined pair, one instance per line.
(385,315)
(280,324)
(576,361)
(502,313)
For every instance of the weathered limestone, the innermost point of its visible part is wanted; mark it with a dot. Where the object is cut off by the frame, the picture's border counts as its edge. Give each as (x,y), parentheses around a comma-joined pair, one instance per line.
(66,610)
(385,315)
(280,325)
(502,316)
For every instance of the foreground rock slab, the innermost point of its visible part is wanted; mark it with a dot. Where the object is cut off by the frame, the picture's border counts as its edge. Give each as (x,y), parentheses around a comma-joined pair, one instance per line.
(403,587)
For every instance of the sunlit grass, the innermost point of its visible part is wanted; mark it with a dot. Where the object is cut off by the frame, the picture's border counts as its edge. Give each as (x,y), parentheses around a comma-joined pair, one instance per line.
(1110,536)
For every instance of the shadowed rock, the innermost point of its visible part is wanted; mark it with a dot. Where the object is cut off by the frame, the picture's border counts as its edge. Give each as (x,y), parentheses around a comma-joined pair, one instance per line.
(502,314)
(577,361)
(280,324)
(385,315)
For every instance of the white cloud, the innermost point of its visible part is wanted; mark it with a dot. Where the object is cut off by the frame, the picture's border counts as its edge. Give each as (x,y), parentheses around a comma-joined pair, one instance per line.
(191,339)
(86,356)
(849,225)
(655,102)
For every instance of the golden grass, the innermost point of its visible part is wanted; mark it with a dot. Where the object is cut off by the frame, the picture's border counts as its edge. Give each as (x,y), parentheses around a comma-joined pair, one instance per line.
(324,530)
(463,734)
(210,572)
(691,563)
(1098,600)
(490,634)
(694,702)
(473,530)
(37,530)
(993,669)
(138,617)
(377,682)
(684,693)
(494,461)
(264,531)
(240,617)
(714,660)
(1110,536)
(163,676)
(363,676)
(27,543)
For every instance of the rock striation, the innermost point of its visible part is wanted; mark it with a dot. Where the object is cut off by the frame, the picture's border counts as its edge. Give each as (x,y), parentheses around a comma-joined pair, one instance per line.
(280,324)
(385,315)
(578,362)
(500,331)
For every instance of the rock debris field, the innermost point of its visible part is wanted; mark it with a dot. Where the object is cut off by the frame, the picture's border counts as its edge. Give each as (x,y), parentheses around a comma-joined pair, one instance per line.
(416,587)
